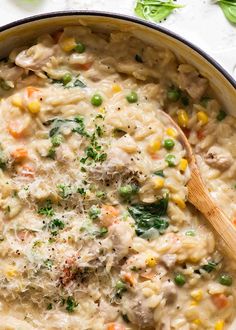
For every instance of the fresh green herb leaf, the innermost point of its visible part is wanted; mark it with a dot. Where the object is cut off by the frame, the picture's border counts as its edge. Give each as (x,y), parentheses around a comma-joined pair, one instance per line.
(79,83)
(102,232)
(221,115)
(48,263)
(47,209)
(56,140)
(138,58)
(81,191)
(51,153)
(155,10)
(94,212)
(159,173)
(55,225)
(210,266)
(147,216)
(120,288)
(49,306)
(229,9)
(71,304)
(64,190)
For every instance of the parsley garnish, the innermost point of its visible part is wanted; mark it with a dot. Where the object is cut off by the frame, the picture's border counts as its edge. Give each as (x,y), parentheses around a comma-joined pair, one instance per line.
(47,210)
(55,225)
(71,304)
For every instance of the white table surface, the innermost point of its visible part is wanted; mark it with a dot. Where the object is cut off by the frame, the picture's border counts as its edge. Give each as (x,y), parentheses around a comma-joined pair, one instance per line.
(200,21)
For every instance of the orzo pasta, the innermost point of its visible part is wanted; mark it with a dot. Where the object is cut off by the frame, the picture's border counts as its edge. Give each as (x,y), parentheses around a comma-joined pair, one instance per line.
(96,232)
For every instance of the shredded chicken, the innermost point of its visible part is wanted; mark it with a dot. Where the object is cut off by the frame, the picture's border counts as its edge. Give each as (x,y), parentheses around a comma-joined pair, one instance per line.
(219,158)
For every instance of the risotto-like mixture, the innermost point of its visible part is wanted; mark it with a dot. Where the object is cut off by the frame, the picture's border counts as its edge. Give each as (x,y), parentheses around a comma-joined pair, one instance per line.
(96,232)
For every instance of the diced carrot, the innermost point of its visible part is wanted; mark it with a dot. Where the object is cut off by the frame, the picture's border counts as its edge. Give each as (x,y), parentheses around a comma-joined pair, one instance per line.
(155,156)
(200,134)
(56,36)
(129,278)
(27,171)
(220,300)
(109,214)
(16,129)
(85,66)
(31,90)
(19,154)
(234,222)
(115,326)
(148,274)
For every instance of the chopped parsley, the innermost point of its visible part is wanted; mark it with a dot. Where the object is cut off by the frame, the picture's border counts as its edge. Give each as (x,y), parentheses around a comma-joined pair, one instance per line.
(55,225)
(71,304)
(47,209)
(64,190)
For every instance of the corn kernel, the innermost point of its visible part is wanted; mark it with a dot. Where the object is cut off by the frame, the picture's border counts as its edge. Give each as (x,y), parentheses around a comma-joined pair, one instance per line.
(67,43)
(171,132)
(151,262)
(102,110)
(219,325)
(158,183)
(34,106)
(182,118)
(116,88)
(183,164)
(197,321)
(17,102)
(202,117)
(179,201)
(197,295)
(154,146)
(11,272)
(194,260)
(193,303)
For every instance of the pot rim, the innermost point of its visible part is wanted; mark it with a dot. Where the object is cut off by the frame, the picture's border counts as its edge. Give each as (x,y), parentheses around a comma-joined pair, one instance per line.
(128,18)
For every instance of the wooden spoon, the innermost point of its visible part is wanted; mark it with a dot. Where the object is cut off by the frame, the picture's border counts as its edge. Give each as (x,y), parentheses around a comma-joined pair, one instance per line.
(199,196)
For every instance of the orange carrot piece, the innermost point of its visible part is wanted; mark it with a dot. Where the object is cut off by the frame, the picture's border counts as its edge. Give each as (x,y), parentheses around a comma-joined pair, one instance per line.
(31,90)
(128,277)
(115,326)
(19,154)
(84,67)
(109,214)
(15,129)
(220,300)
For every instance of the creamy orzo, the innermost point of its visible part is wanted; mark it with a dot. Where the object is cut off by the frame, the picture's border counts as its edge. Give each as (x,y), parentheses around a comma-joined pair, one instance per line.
(96,232)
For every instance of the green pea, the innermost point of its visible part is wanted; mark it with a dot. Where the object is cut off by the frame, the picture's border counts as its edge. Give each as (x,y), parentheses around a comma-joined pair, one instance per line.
(127,191)
(173,94)
(170,159)
(225,279)
(94,212)
(132,97)
(169,144)
(80,48)
(221,115)
(179,279)
(66,78)
(96,100)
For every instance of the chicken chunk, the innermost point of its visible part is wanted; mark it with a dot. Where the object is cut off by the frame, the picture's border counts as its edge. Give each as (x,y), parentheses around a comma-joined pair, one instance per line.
(169,292)
(36,56)
(138,312)
(121,236)
(219,158)
(191,81)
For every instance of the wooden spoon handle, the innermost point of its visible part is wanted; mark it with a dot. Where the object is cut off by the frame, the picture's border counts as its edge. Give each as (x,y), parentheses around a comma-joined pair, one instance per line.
(199,196)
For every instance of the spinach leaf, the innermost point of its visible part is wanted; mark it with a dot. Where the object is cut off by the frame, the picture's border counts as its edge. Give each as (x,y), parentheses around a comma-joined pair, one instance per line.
(210,266)
(155,10)
(79,83)
(147,216)
(71,304)
(229,9)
